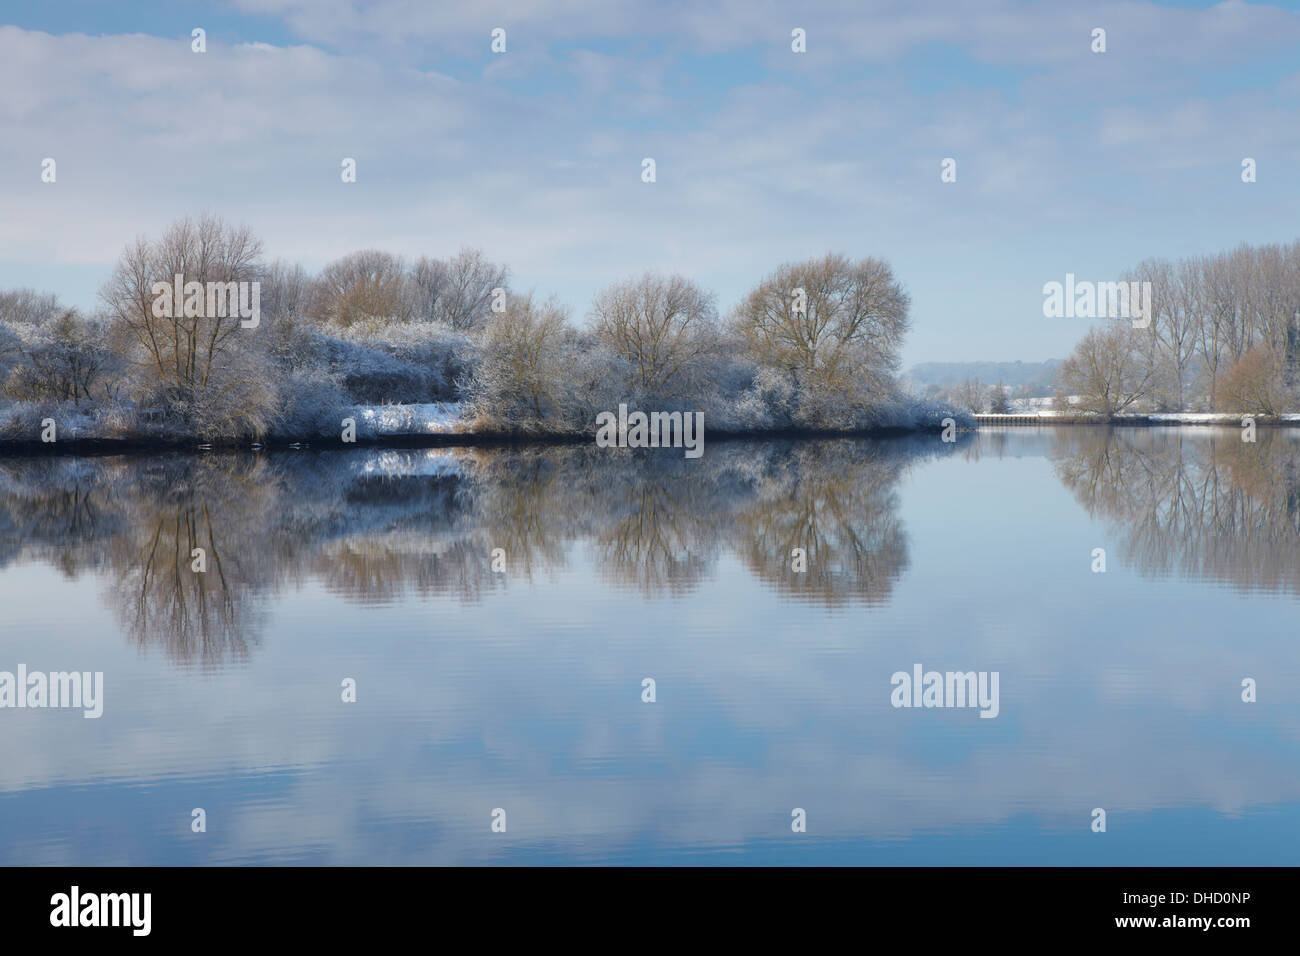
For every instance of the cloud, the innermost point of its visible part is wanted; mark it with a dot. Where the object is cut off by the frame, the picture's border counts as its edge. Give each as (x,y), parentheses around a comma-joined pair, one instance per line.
(763,155)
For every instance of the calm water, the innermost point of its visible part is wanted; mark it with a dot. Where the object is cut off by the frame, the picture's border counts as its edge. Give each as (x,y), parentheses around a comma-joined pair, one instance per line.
(523,690)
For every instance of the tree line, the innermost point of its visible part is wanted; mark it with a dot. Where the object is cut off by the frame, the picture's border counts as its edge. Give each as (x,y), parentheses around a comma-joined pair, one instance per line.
(1224,335)
(813,346)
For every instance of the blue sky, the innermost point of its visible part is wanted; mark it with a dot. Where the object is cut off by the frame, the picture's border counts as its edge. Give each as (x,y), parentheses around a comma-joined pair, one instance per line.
(1067,160)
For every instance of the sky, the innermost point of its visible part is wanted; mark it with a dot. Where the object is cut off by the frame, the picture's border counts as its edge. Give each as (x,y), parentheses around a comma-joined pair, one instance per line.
(1067,160)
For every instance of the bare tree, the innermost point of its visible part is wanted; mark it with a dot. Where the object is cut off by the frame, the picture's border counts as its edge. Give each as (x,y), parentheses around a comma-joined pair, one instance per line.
(65,359)
(1212,305)
(27,307)
(1173,327)
(520,376)
(830,323)
(370,284)
(196,363)
(1253,384)
(1108,369)
(1209,316)
(972,396)
(663,326)
(182,349)
(457,291)
(22,313)
(286,291)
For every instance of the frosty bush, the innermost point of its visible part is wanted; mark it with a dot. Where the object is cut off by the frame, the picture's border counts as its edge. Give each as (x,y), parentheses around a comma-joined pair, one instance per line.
(519,382)
(313,404)
(370,284)
(456,292)
(66,358)
(425,361)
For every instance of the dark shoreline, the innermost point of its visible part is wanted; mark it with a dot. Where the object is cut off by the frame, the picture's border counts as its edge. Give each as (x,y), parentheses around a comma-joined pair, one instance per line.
(97,447)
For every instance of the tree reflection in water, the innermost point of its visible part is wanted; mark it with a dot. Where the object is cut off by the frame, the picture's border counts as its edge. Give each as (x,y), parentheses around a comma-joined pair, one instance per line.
(377,526)
(1199,503)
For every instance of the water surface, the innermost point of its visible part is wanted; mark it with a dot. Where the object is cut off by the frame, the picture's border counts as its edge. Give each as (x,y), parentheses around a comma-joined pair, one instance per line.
(522,690)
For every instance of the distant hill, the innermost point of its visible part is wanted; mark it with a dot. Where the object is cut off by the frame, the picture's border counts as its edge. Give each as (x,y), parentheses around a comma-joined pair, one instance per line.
(947,374)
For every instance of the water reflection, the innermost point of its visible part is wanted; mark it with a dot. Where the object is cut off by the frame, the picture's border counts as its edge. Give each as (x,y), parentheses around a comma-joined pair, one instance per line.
(841,508)
(377,526)
(1198,503)
(481,690)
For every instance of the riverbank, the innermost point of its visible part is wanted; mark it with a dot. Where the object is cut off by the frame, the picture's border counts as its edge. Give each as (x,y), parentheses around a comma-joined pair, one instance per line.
(95,447)
(439,424)
(1290,419)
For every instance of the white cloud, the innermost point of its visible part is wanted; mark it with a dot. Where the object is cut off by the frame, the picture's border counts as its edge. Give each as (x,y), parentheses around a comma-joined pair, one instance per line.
(535,155)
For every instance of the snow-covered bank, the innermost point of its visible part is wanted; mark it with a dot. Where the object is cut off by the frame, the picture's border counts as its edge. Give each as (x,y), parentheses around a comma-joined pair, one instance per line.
(455,418)
(441,423)
(1053,417)
(1216,418)
(416,419)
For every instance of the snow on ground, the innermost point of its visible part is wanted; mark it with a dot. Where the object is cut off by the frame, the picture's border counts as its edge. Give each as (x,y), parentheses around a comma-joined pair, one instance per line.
(1169,418)
(433,417)
(1195,418)
(1020,406)
(1212,418)
(445,417)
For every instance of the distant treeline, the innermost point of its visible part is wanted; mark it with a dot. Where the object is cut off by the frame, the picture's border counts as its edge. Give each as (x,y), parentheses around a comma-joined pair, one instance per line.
(814,346)
(1224,336)
(1031,375)
(968,386)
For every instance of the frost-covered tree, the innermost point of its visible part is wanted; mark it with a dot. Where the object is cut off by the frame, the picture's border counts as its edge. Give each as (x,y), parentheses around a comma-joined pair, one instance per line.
(66,359)
(835,327)
(370,284)
(457,292)
(665,327)
(202,369)
(520,378)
